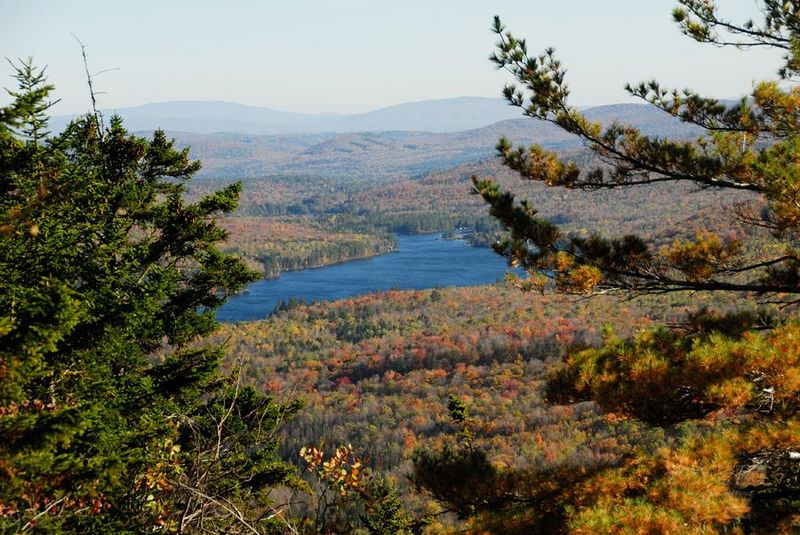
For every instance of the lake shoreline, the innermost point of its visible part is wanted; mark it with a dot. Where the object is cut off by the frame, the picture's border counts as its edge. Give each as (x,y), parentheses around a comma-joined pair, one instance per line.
(420,261)
(444,236)
(269,277)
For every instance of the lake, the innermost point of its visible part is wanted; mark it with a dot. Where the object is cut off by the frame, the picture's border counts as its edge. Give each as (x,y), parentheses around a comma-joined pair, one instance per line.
(420,261)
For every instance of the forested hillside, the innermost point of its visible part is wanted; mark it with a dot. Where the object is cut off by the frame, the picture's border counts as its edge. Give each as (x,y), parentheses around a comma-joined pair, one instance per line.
(381,155)
(291,222)
(376,372)
(275,244)
(344,192)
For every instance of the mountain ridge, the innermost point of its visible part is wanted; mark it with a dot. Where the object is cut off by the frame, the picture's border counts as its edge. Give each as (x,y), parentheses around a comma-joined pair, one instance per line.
(391,154)
(211,117)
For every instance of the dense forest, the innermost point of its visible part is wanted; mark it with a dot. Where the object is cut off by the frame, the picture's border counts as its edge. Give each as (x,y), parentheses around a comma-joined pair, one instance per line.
(643,376)
(375,370)
(276,244)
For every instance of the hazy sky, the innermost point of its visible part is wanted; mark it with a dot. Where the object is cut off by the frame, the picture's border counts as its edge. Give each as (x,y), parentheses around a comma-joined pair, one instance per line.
(356,55)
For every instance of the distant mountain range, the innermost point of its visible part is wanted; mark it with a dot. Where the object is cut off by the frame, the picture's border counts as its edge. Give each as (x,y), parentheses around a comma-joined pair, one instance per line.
(449,115)
(393,154)
(237,141)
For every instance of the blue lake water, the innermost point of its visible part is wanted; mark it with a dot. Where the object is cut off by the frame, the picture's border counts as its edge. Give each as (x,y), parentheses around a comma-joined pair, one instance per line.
(421,261)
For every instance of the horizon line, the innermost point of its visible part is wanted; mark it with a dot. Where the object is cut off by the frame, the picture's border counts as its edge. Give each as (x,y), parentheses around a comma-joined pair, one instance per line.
(321,113)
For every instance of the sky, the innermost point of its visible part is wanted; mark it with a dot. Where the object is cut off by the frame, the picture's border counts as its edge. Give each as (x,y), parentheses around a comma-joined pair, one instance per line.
(350,56)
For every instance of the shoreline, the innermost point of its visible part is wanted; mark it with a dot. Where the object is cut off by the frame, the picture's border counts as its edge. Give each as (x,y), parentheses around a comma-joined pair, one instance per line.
(426,261)
(443,235)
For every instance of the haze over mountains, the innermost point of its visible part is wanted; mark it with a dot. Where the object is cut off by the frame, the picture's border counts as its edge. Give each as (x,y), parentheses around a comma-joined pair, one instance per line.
(396,153)
(448,115)
(238,141)
(439,116)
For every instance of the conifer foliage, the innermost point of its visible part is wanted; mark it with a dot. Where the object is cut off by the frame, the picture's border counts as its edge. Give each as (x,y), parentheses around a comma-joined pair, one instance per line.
(102,263)
(751,145)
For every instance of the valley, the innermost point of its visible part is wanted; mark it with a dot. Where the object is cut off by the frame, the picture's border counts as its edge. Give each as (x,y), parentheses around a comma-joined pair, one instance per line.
(376,370)
(316,199)
(263,271)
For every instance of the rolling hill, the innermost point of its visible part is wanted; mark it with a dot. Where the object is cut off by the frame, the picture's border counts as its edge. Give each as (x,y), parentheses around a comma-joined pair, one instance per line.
(395,154)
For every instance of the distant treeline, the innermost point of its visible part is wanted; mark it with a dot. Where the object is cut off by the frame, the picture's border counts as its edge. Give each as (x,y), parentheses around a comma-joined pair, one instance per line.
(322,253)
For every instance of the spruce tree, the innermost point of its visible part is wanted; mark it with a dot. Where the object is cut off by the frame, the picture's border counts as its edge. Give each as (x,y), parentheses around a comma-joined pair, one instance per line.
(114,416)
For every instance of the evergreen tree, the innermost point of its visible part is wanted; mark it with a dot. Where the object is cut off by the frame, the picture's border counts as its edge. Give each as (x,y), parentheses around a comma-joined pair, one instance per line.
(723,391)
(113,416)
(747,146)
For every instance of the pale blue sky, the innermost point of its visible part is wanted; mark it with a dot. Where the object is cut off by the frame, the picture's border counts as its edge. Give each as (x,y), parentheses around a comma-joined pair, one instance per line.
(357,55)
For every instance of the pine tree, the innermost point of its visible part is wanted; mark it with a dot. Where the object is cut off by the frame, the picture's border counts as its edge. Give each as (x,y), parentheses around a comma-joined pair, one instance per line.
(723,391)
(103,267)
(749,146)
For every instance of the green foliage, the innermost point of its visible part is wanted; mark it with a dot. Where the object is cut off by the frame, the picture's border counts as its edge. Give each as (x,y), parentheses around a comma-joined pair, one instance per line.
(103,262)
(744,391)
(462,478)
(663,377)
(231,455)
(385,514)
(493,497)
